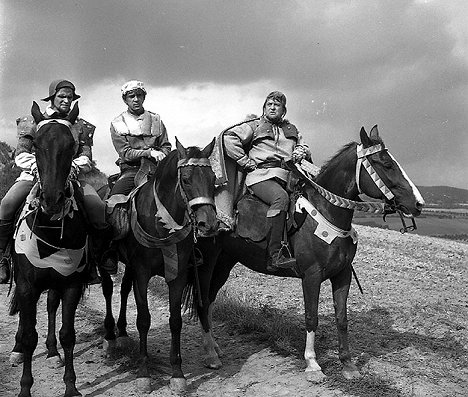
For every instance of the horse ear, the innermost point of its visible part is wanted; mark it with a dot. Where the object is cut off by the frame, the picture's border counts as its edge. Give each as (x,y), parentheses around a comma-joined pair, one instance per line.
(209,148)
(36,113)
(374,134)
(180,149)
(365,140)
(73,114)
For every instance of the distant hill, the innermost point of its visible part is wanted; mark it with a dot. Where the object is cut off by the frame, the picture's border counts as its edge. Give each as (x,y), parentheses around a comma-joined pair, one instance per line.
(440,196)
(444,196)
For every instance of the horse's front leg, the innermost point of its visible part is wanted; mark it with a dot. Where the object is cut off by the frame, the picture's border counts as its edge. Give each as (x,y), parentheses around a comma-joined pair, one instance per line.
(27,300)
(67,336)
(143,322)
(53,356)
(107,285)
(125,289)
(16,355)
(340,287)
(219,273)
(178,382)
(311,289)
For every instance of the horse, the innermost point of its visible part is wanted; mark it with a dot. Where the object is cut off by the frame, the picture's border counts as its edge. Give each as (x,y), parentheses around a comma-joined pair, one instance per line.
(323,240)
(52,230)
(168,212)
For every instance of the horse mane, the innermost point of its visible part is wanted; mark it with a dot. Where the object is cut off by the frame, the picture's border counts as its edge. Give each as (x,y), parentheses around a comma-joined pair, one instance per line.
(331,163)
(170,161)
(336,158)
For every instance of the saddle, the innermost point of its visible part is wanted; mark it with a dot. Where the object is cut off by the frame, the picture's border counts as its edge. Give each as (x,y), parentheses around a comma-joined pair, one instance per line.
(251,208)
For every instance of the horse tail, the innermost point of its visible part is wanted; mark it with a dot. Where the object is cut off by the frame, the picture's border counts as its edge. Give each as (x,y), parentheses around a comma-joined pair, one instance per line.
(14,305)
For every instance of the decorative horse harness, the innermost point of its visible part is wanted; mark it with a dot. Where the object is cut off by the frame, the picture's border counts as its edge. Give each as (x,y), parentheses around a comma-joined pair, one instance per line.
(325,230)
(64,260)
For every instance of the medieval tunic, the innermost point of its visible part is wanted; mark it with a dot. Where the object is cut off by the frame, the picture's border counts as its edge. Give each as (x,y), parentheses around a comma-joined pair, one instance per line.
(265,143)
(135,136)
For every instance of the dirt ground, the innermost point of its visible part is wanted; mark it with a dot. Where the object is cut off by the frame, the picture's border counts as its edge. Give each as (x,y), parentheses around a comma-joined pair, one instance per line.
(408,333)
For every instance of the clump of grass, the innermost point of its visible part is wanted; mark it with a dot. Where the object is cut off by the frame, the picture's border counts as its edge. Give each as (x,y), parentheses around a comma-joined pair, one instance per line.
(248,316)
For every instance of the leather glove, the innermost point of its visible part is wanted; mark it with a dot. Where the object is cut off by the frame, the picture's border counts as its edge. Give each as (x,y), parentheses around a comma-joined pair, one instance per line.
(299,153)
(34,170)
(250,166)
(74,171)
(157,155)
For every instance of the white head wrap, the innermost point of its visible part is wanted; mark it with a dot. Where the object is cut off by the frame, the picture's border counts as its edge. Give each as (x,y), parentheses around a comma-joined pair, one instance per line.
(132,85)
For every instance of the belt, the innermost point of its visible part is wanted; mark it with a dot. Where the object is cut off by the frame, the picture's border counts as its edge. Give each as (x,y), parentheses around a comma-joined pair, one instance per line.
(272,164)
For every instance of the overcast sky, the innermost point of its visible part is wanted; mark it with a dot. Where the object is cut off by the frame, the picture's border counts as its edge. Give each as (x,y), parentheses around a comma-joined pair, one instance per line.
(207,64)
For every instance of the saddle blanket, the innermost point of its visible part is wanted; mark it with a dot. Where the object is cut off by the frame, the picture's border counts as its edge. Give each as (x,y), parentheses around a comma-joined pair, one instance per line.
(43,255)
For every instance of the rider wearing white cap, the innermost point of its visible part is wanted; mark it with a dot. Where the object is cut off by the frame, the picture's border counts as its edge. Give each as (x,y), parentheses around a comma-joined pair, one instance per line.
(136,133)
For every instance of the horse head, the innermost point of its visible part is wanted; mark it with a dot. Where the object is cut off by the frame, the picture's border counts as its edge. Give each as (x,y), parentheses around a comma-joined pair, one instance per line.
(379,175)
(54,147)
(197,184)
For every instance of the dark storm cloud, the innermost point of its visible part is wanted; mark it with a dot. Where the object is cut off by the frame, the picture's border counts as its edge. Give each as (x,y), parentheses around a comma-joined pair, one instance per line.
(342,64)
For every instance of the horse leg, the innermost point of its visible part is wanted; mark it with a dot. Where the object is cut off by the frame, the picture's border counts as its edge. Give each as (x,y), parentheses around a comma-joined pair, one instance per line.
(340,287)
(143,322)
(212,352)
(125,288)
(16,355)
(178,382)
(67,336)
(108,344)
(311,289)
(27,298)
(53,356)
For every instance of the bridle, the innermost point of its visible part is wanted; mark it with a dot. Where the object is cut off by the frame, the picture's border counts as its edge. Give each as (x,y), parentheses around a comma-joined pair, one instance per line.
(69,204)
(363,161)
(162,212)
(364,206)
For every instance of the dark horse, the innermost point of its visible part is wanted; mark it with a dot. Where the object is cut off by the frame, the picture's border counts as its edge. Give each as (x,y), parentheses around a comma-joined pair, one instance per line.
(325,244)
(169,211)
(49,246)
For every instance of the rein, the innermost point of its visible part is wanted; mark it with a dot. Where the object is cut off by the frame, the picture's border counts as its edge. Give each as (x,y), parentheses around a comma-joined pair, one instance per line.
(33,206)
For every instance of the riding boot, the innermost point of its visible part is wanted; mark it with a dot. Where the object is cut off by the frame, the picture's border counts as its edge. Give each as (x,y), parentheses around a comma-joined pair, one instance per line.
(6,234)
(279,255)
(100,243)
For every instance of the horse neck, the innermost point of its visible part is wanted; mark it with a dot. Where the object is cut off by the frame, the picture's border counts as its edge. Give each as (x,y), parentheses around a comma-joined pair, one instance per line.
(167,191)
(338,177)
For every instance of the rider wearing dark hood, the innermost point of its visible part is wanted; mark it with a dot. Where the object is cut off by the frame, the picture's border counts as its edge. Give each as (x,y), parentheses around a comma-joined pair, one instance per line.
(62,94)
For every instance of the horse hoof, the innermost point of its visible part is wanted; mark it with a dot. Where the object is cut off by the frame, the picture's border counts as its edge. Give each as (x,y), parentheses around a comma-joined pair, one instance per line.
(16,359)
(55,362)
(315,376)
(178,385)
(108,347)
(212,362)
(144,385)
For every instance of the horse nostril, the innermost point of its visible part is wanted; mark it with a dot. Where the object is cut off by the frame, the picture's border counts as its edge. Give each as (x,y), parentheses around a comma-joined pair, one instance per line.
(419,205)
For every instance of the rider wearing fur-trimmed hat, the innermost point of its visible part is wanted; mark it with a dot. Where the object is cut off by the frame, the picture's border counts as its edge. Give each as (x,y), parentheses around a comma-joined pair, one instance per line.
(61,95)
(260,147)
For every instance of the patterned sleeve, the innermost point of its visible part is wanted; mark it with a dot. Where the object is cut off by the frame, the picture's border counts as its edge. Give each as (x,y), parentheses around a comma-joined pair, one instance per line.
(85,139)
(26,129)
